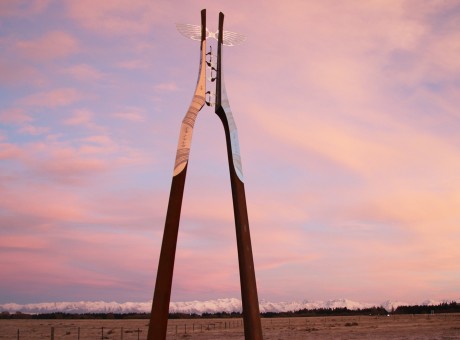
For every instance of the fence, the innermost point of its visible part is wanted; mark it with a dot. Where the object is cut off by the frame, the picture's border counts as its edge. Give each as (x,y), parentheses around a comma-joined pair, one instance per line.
(112,329)
(326,327)
(81,333)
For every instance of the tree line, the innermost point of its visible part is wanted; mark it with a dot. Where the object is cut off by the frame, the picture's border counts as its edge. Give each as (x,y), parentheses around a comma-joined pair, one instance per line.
(445,307)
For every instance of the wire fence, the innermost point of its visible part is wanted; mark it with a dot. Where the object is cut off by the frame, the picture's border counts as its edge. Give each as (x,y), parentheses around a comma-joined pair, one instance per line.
(87,329)
(365,326)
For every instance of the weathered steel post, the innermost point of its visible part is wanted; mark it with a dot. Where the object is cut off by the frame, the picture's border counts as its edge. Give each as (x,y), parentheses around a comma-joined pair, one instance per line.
(162,295)
(251,314)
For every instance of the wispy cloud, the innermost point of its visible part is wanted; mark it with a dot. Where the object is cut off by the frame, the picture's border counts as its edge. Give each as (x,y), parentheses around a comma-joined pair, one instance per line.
(116,17)
(132,64)
(166,87)
(48,205)
(14,116)
(23,8)
(131,114)
(52,45)
(9,151)
(54,98)
(83,72)
(80,117)
(33,130)
(15,73)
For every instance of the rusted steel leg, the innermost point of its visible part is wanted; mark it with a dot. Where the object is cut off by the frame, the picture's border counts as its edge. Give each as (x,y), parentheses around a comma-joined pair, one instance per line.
(251,313)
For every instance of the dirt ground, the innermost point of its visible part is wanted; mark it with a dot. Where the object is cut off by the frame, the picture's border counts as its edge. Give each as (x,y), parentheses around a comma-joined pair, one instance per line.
(440,326)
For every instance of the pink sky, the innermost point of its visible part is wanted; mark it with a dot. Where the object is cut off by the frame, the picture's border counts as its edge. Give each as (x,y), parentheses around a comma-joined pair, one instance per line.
(348,119)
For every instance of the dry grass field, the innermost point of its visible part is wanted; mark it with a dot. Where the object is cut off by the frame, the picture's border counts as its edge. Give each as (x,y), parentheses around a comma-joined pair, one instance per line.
(440,326)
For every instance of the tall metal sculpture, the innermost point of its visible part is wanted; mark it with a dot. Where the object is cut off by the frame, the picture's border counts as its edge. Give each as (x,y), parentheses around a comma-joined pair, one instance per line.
(160,305)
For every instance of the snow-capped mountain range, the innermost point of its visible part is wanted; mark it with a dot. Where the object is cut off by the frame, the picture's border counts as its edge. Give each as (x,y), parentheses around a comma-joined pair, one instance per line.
(198,307)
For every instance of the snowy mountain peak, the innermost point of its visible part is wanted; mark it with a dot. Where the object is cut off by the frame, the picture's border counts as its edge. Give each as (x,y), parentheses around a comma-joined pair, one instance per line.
(228,305)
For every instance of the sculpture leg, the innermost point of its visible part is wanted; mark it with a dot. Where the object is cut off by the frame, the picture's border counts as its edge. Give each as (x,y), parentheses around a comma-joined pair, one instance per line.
(249,297)
(160,306)
(251,313)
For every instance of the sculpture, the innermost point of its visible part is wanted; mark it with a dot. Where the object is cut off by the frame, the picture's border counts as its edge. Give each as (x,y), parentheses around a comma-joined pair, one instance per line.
(160,305)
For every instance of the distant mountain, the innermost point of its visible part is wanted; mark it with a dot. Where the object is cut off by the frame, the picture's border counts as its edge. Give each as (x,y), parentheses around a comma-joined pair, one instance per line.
(197,307)
(80,307)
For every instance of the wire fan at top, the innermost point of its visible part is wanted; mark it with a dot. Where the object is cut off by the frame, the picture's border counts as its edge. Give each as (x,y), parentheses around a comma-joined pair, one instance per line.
(232,38)
(194,32)
(190,31)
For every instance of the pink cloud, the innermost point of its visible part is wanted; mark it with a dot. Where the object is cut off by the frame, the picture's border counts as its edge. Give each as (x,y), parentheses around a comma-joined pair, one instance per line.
(132,64)
(336,142)
(133,115)
(118,16)
(14,116)
(196,271)
(89,261)
(53,45)
(53,270)
(166,87)
(22,242)
(75,161)
(46,204)
(10,151)
(66,164)
(85,118)
(389,148)
(52,99)
(15,73)
(101,139)
(116,249)
(193,207)
(80,117)
(33,130)
(129,210)
(23,8)
(411,177)
(441,56)
(267,262)
(83,72)
(281,211)
(417,209)
(98,145)
(349,79)
(60,162)
(66,167)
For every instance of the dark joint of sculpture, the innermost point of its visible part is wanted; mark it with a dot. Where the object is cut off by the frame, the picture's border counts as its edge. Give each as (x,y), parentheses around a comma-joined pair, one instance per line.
(211,65)
(210,95)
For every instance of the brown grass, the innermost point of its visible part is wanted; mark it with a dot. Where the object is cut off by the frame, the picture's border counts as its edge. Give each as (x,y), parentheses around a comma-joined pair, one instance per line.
(440,326)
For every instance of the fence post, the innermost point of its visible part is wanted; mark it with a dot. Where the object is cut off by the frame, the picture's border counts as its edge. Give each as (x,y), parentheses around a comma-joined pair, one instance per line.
(138,332)
(52,333)
(18,333)
(121,335)
(78,332)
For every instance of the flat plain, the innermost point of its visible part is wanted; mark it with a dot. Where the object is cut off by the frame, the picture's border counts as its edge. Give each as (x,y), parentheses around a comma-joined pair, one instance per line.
(439,326)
